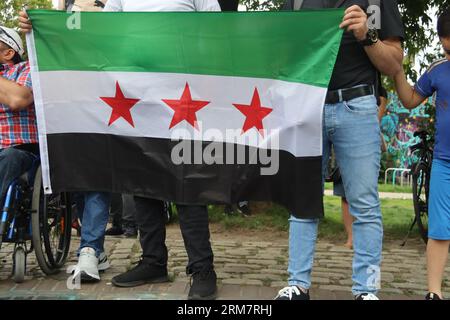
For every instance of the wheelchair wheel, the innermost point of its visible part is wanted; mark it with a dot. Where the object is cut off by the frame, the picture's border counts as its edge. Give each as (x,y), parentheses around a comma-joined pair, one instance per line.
(51,222)
(421,184)
(19,264)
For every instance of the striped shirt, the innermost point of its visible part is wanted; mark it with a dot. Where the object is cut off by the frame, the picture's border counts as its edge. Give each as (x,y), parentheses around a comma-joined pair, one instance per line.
(18,127)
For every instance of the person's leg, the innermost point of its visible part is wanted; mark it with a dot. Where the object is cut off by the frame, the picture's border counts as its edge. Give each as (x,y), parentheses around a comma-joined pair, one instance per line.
(152,228)
(302,245)
(357,146)
(194,227)
(151,223)
(195,230)
(437,255)
(348,222)
(116,211)
(92,257)
(95,219)
(338,190)
(438,224)
(129,216)
(13,163)
(303,233)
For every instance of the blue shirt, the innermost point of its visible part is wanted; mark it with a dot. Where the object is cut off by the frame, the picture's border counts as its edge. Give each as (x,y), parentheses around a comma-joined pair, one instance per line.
(437,80)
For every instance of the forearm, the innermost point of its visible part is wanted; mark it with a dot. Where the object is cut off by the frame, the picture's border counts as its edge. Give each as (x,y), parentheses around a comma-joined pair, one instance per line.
(406,93)
(15,96)
(386,58)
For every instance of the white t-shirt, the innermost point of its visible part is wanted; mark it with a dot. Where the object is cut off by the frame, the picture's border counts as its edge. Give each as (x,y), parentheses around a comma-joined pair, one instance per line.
(162,5)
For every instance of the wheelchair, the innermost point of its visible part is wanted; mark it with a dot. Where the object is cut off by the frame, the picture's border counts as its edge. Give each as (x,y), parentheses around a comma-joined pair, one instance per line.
(36,222)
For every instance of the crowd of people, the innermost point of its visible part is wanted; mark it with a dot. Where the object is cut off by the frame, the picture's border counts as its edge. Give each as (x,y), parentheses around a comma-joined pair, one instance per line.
(350,127)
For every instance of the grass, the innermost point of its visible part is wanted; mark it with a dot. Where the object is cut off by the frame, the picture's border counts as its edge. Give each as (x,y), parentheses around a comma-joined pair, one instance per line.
(382,188)
(397,217)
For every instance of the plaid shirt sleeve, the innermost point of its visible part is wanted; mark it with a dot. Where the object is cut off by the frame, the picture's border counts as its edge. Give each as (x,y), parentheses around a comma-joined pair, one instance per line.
(24,76)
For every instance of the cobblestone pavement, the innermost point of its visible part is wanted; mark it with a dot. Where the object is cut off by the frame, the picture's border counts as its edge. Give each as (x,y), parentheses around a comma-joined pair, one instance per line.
(248,267)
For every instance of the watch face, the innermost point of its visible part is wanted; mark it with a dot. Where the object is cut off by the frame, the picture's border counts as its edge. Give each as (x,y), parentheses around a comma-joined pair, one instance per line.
(373,35)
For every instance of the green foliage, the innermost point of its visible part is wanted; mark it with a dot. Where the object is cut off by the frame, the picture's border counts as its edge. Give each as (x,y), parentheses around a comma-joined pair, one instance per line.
(266,217)
(420,31)
(9,9)
(260,5)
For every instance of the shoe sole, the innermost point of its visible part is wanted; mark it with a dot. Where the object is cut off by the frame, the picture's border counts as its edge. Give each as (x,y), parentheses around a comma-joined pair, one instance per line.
(138,283)
(197,297)
(87,278)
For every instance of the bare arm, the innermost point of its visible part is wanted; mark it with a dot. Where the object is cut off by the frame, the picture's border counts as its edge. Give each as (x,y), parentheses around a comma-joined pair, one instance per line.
(387,55)
(409,97)
(15,96)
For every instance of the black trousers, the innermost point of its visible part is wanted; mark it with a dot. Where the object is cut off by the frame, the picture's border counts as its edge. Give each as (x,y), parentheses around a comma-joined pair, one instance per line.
(122,210)
(194,225)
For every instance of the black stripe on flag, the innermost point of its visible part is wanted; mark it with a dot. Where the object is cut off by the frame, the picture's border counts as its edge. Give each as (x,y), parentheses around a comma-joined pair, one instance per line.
(143,166)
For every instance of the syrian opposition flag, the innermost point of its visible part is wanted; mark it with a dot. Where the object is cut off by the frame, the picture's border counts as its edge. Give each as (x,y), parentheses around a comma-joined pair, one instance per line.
(194,108)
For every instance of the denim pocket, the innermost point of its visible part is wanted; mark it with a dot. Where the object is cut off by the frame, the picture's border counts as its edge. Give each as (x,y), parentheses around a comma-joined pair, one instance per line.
(362,105)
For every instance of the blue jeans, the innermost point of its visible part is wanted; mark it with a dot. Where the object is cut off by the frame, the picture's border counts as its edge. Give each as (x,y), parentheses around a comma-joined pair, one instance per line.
(94,220)
(352,128)
(13,163)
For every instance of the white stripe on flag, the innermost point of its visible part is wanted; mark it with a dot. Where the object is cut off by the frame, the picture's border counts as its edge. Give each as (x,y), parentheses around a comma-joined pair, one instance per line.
(72,105)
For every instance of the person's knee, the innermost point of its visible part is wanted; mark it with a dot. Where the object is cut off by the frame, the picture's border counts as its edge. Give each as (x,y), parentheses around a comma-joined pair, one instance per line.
(10,157)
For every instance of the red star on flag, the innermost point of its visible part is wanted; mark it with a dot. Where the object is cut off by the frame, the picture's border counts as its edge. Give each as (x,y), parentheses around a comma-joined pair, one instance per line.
(185,108)
(121,106)
(254,113)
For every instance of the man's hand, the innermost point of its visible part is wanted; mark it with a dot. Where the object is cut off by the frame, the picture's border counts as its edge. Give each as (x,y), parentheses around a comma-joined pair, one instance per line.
(355,19)
(24,22)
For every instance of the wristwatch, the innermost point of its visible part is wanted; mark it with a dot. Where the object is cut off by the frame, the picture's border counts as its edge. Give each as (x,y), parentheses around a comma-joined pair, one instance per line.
(371,39)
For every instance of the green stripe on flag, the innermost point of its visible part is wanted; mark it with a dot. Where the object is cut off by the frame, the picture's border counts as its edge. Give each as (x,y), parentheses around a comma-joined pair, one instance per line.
(291,46)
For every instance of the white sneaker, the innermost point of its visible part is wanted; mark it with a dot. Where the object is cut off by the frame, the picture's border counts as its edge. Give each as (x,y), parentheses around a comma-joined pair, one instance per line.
(88,265)
(366,296)
(103,262)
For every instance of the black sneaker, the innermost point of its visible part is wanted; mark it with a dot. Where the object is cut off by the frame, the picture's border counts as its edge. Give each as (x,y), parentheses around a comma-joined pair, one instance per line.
(203,285)
(366,296)
(114,231)
(244,209)
(292,293)
(432,296)
(130,232)
(141,274)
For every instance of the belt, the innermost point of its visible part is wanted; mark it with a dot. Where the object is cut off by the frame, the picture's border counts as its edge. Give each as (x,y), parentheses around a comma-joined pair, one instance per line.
(336,96)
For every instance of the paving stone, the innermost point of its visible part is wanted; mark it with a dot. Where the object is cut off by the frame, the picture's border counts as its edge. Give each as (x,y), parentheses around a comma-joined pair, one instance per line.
(319,280)
(245,269)
(335,288)
(238,269)
(263,276)
(405,285)
(278,284)
(234,281)
(262,262)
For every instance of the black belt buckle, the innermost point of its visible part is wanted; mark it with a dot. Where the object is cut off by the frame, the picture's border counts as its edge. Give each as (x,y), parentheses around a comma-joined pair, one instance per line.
(337,96)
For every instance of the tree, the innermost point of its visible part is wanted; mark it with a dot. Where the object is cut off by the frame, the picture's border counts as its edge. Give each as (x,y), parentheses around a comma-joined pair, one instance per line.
(9,9)
(420,33)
